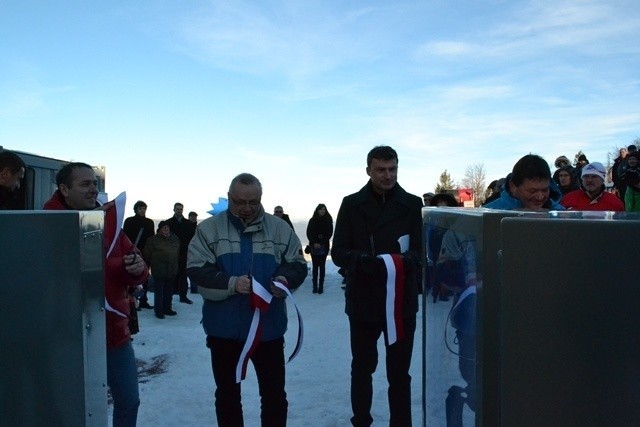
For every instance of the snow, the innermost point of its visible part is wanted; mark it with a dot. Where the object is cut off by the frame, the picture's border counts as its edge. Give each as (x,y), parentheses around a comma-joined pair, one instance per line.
(318,379)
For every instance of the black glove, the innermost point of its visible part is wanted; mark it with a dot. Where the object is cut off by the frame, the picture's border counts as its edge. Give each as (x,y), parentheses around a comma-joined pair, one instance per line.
(369,263)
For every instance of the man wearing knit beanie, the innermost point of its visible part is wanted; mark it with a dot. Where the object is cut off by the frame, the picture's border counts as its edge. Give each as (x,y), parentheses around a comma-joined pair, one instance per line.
(591,196)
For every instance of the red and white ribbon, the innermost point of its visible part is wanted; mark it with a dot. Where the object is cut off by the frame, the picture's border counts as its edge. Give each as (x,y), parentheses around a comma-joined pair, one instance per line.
(296,350)
(260,301)
(115,216)
(395,296)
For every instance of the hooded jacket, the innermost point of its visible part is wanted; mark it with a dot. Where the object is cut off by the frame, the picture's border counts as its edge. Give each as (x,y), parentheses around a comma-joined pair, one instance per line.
(508,202)
(117,281)
(573,185)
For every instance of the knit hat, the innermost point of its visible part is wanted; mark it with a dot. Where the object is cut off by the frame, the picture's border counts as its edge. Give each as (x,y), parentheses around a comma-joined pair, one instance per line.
(560,160)
(595,168)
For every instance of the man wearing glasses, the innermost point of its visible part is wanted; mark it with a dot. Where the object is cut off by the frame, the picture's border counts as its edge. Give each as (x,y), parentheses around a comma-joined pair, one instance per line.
(279,212)
(231,255)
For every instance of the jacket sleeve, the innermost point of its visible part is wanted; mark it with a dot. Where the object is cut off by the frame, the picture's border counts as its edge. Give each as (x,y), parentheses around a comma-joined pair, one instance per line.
(128,229)
(213,283)
(414,256)
(293,265)
(147,251)
(310,231)
(342,253)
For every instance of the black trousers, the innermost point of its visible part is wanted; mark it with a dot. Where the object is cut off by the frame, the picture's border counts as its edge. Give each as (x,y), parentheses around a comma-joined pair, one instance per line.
(364,352)
(318,263)
(268,361)
(181,285)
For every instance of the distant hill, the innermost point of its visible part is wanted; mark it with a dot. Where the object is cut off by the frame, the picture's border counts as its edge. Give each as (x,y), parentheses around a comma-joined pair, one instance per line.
(300,227)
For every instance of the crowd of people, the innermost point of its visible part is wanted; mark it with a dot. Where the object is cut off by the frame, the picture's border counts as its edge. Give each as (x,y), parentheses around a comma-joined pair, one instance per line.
(583,186)
(244,263)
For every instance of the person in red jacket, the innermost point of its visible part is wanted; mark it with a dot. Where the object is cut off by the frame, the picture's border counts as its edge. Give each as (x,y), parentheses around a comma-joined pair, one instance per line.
(591,196)
(124,271)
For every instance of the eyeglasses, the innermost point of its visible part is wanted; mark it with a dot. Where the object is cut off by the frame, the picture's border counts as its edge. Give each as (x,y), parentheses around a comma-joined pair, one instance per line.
(249,203)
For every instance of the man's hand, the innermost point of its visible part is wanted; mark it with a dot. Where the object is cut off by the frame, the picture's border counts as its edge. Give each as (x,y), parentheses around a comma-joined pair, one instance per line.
(277,292)
(134,264)
(369,263)
(243,285)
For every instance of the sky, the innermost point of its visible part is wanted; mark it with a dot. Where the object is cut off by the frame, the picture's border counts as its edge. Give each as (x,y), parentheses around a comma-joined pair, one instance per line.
(177,98)
(177,387)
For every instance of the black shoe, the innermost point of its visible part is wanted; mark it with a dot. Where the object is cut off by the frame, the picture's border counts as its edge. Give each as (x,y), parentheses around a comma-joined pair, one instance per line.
(186,300)
(170,313)
(315,290)
(145,304)
(320,290)
(160,316)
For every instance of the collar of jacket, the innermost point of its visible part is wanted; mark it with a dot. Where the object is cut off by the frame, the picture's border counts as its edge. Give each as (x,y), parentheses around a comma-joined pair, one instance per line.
(595,198)
(375,213)
(252,227)
(367,194)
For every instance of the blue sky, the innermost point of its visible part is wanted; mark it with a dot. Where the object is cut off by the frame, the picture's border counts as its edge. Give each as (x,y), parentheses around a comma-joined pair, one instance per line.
(176,98)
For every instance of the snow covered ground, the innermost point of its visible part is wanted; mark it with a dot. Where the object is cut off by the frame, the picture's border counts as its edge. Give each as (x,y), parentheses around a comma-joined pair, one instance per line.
(177,385)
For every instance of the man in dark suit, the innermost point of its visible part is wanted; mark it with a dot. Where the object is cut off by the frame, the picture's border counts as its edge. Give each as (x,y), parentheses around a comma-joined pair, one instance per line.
(377,241)
(181,227)
(140,224)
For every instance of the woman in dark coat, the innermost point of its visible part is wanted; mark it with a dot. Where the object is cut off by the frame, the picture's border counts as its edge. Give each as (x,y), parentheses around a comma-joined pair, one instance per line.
(162,252)
(319,232)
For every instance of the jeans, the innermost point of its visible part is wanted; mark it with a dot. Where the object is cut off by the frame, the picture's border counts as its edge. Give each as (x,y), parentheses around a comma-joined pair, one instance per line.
(364,352)
(122,378)
(268,361)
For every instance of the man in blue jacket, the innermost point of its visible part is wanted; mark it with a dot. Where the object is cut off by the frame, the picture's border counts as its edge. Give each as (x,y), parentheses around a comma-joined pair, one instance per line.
(529,187)
(377,241)
(233,257)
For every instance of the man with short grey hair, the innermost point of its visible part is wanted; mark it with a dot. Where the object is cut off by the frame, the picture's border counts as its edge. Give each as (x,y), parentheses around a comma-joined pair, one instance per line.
(235,258)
